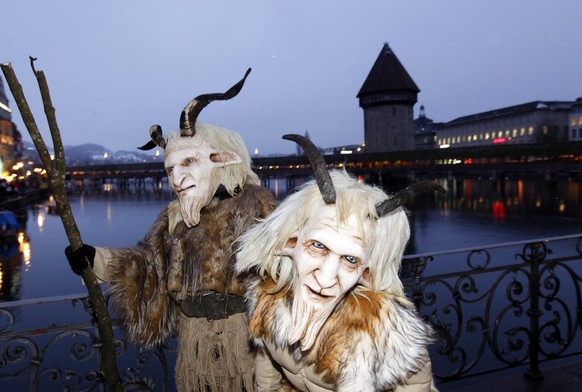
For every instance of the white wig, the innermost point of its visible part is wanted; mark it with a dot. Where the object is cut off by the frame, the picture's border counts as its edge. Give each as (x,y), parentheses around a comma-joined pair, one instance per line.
(225,141)
(262,246)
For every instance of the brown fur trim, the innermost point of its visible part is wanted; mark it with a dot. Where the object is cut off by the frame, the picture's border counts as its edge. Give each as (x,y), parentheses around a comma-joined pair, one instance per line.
(138,287)
(388,325)
(191,260)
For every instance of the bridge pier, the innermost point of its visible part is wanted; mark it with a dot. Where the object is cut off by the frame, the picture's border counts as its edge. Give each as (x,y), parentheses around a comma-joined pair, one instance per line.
(139,184)
(290,183)
(157,184)
(265,181)
(123,184)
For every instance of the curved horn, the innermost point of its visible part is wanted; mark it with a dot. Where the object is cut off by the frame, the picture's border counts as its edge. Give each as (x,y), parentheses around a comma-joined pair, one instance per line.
(406,196)
(157,139)
(318,165)
(193,109)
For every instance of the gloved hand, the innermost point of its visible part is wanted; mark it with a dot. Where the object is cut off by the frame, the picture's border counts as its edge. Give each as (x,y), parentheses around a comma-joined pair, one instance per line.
(78,259)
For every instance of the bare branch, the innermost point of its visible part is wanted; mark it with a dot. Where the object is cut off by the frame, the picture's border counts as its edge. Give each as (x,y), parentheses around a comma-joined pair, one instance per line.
(56,176)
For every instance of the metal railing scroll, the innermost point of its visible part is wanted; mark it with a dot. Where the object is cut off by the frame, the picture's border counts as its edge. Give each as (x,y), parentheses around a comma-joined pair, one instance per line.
(64,353)
(499,307)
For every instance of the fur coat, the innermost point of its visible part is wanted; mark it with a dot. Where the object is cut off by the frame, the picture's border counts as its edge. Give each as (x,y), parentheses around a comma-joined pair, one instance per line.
(148,282)
(370,342)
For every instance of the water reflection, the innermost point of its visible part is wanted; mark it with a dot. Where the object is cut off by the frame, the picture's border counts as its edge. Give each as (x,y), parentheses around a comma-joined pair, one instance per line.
(14,260)
(483,212)
(512,197)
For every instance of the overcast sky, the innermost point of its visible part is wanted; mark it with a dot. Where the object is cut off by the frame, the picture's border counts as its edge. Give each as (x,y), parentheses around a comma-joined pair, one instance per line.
(117,67)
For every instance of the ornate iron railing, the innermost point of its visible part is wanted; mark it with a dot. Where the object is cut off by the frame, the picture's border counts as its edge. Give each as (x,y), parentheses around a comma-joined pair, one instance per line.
(492,308)
(64,356)
(499,307)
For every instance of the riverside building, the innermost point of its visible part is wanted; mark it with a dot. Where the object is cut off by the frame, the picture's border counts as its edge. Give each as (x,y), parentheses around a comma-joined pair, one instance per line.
(389,94)
(6,132)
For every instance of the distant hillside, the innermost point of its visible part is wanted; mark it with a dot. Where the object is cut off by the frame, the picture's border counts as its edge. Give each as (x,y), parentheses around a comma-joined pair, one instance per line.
(86,153)
(92,154)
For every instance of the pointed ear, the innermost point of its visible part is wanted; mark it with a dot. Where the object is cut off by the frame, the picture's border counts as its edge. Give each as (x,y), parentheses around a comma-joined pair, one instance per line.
(290,245)
(366,279)
(225,158)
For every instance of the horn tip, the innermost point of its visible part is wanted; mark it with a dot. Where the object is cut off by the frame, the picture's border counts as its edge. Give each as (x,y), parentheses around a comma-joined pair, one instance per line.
(291,136)
(148,146)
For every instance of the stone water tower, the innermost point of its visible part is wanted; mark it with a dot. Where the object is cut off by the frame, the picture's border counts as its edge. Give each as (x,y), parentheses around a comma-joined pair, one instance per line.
(388,96)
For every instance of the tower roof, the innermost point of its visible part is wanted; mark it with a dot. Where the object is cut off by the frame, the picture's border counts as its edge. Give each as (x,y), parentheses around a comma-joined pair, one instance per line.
(387,74)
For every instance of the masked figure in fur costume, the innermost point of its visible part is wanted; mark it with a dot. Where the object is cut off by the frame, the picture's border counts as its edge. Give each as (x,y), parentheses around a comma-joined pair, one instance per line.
(328,311)
(180,277)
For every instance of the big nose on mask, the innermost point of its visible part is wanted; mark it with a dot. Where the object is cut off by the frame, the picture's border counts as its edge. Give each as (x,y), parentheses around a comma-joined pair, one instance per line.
(327,273)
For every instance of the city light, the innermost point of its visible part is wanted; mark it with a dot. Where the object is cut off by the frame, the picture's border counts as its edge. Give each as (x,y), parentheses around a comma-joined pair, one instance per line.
(4,107)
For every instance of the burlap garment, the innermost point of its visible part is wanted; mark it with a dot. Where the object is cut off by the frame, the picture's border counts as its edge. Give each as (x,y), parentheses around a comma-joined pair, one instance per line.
(214,355)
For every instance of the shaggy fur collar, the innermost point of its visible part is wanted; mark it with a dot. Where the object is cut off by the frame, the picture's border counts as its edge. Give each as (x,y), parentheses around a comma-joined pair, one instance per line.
(374,339)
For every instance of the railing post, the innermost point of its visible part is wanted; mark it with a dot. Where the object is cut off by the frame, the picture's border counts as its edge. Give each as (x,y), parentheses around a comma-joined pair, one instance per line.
(417,267)
(537,252)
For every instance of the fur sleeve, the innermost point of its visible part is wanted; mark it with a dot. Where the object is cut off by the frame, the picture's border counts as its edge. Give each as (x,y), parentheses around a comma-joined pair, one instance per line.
(390,352)
(138,287)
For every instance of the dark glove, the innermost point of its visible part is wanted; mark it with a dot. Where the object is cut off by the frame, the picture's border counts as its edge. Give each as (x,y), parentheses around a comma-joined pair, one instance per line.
(78,258)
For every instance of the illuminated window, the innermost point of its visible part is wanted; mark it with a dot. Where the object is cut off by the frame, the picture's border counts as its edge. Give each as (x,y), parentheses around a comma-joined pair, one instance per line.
(486,135)
(507,133)
(530,131)
(514,132)
(500,134)
(469,138)
(573,122)
(522,131)
(545,129)
(474,137)
(580,120)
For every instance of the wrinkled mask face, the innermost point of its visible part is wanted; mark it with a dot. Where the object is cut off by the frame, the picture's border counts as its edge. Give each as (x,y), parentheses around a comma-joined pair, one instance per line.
(194,171)
(329,260)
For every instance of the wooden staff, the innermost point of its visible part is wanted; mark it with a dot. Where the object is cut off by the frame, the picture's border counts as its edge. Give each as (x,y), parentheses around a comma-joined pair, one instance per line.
(56,174)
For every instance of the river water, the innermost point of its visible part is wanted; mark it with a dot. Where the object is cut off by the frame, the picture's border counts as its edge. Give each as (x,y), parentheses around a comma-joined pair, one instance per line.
(472,213)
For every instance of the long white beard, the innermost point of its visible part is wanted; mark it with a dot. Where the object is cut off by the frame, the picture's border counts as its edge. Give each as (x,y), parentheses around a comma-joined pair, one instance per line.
(190,208)
(307,320)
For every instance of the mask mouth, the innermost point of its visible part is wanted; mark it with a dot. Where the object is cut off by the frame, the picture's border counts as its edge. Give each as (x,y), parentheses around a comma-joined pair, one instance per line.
(181,190)
(317,295)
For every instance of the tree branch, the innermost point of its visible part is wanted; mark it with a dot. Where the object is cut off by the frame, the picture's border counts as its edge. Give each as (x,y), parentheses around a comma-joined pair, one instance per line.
(56,174)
